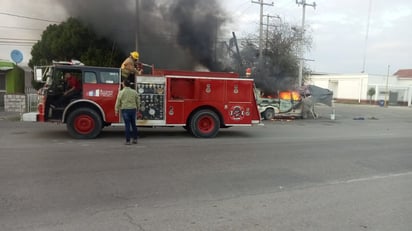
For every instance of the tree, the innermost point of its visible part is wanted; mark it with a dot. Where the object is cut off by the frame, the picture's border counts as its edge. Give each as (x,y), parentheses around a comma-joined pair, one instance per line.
(371,93)
(73,40)
(279,70)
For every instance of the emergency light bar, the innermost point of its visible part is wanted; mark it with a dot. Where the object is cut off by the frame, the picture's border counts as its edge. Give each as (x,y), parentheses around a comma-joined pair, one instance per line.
(72,62)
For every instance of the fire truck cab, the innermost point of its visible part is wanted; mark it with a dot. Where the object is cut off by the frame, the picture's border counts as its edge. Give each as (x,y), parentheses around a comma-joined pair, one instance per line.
(201,102)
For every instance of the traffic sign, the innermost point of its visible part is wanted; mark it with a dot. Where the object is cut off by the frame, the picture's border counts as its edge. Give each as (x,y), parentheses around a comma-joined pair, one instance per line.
(16,56)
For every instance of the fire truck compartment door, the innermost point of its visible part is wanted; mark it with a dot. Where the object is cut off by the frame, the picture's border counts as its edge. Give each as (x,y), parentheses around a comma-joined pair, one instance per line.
(175,112)
(239,91)
(241,107)
(239,113)
(211,90)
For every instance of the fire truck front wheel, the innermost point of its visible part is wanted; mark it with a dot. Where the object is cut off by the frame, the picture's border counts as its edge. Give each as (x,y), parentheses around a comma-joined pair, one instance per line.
(204,124)
(84,123)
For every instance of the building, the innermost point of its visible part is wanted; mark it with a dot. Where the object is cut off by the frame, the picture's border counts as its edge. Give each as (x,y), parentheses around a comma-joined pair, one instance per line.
(394,89)
(15,87)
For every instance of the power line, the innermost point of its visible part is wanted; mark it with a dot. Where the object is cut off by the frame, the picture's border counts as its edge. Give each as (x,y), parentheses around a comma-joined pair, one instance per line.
(261,3)
(17,39)
(240,5)
(26,17)
(20,28)
(8,43)
(15,43)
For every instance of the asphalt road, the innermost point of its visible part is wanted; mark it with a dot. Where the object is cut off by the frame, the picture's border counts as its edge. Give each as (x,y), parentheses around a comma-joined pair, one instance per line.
(351,173)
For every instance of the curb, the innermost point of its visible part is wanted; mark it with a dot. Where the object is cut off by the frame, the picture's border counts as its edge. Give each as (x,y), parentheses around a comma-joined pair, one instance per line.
(10,116)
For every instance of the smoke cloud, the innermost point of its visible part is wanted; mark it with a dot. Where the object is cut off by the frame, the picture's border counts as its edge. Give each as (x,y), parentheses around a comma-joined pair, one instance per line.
(178,34)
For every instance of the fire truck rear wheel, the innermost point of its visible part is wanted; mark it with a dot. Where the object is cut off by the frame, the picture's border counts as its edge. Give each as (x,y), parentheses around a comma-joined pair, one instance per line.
(204,124)
(84,123)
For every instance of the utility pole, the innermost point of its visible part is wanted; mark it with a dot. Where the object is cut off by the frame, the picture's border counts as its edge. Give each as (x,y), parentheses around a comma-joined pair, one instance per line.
(302,33)
(261,29)
(387,88)
(267,27)
(366,37)
(137,25)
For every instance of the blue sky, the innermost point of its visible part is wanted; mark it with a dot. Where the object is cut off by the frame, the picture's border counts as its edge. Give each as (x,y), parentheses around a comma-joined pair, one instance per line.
(338,29)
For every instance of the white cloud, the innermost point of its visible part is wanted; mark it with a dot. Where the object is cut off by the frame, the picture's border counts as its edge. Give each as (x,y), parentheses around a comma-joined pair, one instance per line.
(339,32)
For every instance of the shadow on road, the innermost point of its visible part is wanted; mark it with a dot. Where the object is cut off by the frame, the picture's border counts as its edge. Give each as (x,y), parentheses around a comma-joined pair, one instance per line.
(156,133)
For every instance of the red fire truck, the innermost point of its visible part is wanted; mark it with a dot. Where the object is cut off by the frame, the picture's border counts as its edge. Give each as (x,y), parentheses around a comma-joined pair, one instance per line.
(201,102)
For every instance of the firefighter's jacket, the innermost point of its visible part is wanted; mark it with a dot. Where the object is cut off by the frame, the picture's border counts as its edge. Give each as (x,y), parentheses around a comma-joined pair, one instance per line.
(128,67)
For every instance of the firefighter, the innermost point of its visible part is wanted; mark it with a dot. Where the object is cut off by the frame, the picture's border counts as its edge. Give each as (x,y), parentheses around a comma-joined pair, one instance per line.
(131,67)
(248,72)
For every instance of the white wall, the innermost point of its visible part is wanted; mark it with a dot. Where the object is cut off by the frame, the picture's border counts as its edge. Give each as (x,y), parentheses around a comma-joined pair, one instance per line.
(350,86)
(355,86)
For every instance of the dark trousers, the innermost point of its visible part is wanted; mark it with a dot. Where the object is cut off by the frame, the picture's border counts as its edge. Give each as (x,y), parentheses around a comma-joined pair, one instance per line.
(65,99)
(129,118)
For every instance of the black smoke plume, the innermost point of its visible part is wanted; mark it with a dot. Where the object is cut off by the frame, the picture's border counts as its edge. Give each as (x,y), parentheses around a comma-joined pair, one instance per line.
(178,34)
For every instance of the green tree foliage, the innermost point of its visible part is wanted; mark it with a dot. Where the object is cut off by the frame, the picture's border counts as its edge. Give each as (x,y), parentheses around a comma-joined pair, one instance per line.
(280,66)
(73,40)
(371,93)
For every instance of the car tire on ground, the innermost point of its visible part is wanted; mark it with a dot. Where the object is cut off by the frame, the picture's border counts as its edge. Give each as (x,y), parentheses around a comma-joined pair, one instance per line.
(269,114)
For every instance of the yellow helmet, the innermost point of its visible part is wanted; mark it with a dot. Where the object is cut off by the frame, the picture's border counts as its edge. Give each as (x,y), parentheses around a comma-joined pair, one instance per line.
(134,54)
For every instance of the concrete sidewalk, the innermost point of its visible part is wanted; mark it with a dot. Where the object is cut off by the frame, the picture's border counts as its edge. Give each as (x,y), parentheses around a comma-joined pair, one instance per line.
(15,116)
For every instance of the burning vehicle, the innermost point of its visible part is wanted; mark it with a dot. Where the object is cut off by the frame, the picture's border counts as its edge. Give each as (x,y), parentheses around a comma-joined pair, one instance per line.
(283,104)
(294,103)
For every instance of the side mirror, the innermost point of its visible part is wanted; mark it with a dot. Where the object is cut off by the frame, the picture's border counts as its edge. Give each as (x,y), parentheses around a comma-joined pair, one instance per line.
(38,74)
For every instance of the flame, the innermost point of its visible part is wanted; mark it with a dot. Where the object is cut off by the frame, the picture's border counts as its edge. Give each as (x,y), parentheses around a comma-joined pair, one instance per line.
(288,95)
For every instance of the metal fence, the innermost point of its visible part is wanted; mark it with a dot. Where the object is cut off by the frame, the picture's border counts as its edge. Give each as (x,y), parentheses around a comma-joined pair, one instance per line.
(31,99)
